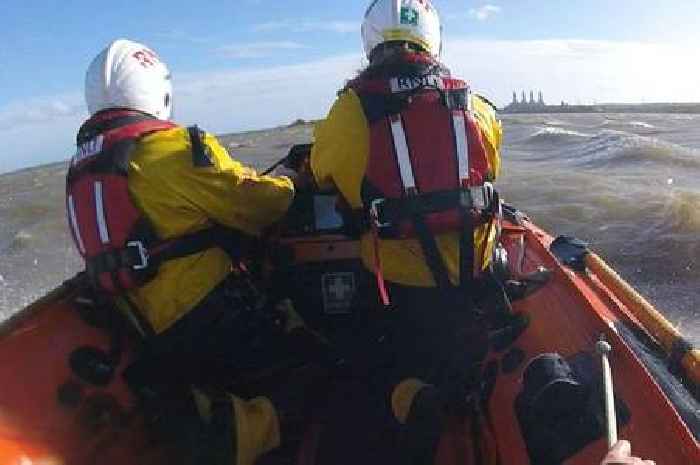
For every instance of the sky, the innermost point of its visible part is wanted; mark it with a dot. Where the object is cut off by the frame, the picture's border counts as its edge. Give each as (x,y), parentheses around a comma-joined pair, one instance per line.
(251,64)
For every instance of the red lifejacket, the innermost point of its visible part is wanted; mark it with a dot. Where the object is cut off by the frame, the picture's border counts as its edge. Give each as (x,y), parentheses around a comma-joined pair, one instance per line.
(428,170)
(119,246)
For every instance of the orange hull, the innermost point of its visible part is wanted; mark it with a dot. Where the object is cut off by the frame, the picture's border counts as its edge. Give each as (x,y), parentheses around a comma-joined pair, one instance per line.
(48,415)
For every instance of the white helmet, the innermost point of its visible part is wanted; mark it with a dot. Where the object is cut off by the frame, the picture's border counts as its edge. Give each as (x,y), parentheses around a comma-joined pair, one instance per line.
(127,74)
(414,21)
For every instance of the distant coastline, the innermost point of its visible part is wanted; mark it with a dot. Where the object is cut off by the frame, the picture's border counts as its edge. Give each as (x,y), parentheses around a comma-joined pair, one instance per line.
(693,108)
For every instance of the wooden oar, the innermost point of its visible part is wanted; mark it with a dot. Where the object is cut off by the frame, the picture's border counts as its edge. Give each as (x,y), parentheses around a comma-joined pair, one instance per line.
(672,341)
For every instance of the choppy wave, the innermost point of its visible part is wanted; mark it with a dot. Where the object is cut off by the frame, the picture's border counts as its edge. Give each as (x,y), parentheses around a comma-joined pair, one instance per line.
(556,122)
(622,124)
(660,214)
(555,135)
(609,148)
(684,117)
(683,211)
(529,120)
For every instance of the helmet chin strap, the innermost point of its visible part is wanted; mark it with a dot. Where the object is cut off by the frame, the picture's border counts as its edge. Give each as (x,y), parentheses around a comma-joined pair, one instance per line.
(388,49)
(168,107)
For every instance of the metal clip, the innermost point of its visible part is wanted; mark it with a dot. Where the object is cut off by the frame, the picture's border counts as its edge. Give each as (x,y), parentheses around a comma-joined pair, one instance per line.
(374,213)
(143,254)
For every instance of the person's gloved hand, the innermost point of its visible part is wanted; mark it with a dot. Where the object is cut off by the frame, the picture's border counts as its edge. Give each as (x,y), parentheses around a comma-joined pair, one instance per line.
(621,454)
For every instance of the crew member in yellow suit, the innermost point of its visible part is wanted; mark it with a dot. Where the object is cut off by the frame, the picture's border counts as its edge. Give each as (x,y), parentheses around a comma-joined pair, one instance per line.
(427,325)
(193,304)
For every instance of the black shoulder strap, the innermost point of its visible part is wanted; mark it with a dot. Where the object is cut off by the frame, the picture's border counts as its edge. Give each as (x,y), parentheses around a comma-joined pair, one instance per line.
(457,99)
(377,106)
(201,157)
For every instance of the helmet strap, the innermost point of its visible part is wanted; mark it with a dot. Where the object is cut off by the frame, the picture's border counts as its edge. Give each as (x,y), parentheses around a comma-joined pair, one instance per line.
(388,49)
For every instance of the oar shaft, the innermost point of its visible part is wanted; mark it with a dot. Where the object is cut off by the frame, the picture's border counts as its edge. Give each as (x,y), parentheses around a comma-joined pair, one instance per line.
(603,348)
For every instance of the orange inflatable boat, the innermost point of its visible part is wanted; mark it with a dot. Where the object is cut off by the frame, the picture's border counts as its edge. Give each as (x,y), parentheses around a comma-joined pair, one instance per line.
(64,401)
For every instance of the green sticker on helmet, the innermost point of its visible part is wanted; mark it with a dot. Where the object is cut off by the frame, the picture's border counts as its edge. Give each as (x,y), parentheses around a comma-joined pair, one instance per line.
(409,16)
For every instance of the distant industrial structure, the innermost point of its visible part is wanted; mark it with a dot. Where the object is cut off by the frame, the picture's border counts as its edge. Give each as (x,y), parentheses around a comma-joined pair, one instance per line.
(539,106)
(526,106)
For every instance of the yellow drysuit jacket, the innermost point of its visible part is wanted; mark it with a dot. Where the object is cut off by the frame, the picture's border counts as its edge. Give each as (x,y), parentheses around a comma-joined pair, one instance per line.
(339,159)
(180,198)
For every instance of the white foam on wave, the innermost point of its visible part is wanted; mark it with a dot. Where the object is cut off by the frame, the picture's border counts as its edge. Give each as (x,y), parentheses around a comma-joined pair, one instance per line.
(621,123)
(683,117)
(612,142)
(23,235)
(641,124)
(610,146)
(554,122)
(557,132)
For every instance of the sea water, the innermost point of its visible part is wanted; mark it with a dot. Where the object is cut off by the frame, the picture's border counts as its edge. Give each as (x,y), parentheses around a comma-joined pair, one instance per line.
(627,184)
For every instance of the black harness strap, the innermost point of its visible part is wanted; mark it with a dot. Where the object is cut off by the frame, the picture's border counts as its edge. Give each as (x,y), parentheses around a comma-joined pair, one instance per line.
(395,210)
(457,99)
(433,257)
(466,252)
(141,255)
(391,212)
(200,155)
(216,236)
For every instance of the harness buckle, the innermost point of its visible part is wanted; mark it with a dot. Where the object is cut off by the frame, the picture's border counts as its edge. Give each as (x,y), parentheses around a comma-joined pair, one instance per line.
(143,254)
(478,197)
(466,198)
(491,202)
(481,198)
(374,213)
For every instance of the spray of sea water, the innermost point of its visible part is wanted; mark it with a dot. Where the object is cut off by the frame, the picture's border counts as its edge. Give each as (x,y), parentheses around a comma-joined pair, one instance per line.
(627,184)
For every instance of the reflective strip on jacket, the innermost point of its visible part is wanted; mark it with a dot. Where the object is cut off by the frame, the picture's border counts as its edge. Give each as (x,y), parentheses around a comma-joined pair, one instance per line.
(339,159)
(179,198)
